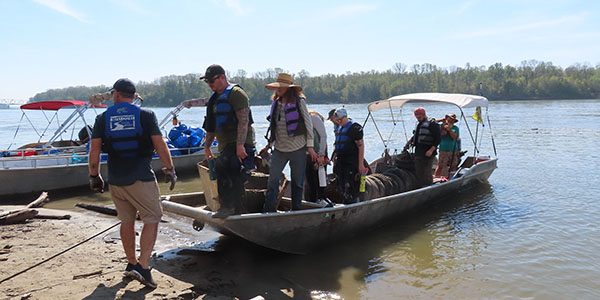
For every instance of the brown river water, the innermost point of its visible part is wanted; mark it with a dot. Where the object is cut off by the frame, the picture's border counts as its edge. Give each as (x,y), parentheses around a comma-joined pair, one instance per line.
(531,232)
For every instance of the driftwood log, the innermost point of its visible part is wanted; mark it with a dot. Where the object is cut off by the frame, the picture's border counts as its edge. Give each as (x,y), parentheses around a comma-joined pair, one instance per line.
(53,217)
(17,216)
(40,201)
(97,208)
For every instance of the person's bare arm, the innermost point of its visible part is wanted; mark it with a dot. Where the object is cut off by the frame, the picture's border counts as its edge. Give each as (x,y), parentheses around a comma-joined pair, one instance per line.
(195,102)
(94,156)
(361,156)
(243,116)
(163,151)
(210,137)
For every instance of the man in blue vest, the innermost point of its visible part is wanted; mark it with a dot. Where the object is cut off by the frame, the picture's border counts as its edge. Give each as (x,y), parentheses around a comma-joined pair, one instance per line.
(130,134)
(349,154)
(229,119)
(426,137)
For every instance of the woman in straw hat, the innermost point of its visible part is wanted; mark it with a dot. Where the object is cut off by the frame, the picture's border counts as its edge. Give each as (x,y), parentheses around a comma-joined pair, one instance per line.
(291,134)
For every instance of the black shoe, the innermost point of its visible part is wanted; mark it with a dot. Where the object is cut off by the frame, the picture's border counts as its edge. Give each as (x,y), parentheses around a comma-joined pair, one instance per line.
(144,276)
(129,270)
(223,213)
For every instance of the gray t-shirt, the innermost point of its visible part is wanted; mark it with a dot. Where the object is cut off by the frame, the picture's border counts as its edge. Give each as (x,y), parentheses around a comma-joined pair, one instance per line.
(126,171)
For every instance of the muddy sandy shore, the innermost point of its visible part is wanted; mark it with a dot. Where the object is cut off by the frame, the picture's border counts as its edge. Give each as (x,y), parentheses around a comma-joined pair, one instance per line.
(184,268)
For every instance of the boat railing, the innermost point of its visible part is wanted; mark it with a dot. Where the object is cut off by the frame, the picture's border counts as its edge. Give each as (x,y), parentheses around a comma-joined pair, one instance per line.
(64,156)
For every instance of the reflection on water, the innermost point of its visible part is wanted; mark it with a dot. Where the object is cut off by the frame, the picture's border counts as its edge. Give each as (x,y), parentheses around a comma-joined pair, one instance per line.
(530,233)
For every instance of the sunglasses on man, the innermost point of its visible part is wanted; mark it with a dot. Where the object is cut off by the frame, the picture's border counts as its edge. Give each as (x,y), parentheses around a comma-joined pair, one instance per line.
(211,81)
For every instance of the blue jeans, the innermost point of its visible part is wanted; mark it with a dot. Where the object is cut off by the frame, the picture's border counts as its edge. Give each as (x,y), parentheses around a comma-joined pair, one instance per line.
(279,159)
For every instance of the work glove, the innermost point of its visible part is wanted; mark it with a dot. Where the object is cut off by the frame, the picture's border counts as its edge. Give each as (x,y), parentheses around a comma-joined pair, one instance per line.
(97,183)
(170,176)
(100,97)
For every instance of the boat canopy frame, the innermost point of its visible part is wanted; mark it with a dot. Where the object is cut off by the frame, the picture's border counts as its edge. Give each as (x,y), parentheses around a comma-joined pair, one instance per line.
(459,100)
(56,105)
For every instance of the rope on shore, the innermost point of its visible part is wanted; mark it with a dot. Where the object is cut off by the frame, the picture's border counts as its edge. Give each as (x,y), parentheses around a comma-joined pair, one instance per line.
(60,253)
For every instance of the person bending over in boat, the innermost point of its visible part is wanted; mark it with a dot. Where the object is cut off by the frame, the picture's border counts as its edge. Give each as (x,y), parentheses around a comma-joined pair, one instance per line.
(229,119)
(130,134)
(291,134)
(349,155)
(330,118)
(314,191)
(426,138)
(448,158)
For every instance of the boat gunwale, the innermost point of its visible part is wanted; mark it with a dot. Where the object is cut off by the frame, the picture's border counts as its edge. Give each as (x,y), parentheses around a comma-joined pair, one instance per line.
(249,216)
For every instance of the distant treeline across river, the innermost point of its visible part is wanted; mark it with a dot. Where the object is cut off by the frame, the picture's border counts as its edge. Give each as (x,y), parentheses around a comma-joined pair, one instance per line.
(531,80)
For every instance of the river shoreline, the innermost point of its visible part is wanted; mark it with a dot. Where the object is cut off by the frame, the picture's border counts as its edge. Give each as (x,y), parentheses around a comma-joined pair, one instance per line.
(93,270)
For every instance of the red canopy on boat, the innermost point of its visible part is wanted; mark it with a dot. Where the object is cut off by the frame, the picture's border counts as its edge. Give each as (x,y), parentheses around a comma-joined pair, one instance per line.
(55,105)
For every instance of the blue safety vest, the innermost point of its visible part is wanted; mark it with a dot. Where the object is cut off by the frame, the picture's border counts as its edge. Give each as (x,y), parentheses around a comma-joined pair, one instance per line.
(342,138)
(123,131)
(225,118)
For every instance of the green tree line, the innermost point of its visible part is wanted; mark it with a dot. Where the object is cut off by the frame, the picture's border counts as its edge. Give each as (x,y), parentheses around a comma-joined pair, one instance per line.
(530,80)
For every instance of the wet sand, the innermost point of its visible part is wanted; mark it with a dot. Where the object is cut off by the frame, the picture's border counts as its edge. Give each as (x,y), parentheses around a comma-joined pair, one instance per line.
(187,263)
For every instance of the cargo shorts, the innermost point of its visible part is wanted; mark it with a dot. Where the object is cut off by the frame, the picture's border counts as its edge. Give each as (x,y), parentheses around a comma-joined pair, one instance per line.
(142,197)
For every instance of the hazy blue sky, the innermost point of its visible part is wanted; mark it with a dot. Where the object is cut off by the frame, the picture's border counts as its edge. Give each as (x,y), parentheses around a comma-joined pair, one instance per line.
(48,44)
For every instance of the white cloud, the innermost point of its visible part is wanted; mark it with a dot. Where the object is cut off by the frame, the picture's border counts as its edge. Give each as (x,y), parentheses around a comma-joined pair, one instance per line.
(236,6)
(62,7)
(465,6)
(524,27)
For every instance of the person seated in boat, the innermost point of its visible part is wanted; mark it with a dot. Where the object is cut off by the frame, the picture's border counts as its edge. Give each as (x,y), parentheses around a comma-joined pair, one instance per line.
(291,134)
(349,155)
(426,137)
(132,183)
(448,157)
(229,119)
(313,190)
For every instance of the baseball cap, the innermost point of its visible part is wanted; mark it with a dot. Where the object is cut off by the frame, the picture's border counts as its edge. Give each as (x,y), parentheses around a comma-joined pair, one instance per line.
(124,85)
(340,113)
(331,112)
(212,71)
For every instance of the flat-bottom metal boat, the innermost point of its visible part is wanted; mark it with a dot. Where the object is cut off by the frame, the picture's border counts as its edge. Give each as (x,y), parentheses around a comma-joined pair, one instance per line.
(303,231)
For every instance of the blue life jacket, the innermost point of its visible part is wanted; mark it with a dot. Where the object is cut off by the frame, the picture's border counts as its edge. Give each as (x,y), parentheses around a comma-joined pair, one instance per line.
(225,118)
(342,138)
(424,136)
(124,133)
(293,119)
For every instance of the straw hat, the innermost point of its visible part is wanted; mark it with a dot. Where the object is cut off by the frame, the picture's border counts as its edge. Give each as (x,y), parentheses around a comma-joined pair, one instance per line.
(283,80)
(452,117)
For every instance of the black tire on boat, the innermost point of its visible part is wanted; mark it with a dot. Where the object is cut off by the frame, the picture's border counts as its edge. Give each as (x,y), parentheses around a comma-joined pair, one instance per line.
(387,184)
(410,180)
(401,174)
(371,188)
(380,191)
(394,180)
(399,183)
